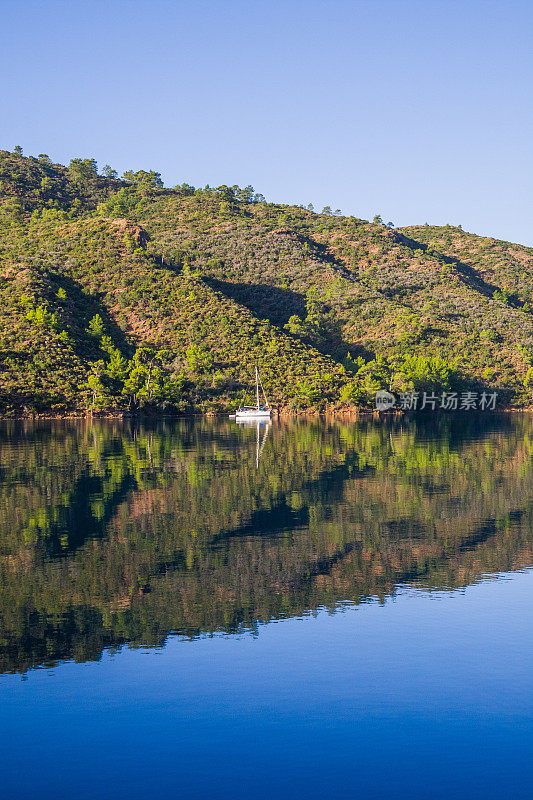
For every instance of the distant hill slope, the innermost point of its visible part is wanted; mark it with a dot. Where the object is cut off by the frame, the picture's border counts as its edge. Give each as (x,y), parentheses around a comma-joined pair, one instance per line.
(123,294)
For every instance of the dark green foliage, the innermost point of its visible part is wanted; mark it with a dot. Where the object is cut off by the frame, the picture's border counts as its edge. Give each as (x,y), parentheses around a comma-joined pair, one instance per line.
(83,171)
(36,184)
(144,179)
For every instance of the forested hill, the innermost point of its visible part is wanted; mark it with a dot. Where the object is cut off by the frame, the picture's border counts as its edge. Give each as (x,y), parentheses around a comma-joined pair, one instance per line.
(122,294)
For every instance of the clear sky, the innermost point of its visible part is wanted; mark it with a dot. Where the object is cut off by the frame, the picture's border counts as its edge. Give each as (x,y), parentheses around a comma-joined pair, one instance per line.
(419,110)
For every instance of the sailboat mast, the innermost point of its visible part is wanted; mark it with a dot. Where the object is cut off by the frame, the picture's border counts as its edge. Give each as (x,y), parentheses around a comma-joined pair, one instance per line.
(264,393)
(257,386)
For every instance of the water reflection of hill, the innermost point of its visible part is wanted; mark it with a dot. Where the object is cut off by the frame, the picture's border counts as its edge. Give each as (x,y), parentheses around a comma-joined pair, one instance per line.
(114,533)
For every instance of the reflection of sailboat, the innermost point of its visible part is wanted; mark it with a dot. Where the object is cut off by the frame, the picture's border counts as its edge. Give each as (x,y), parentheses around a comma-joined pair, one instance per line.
(257,411)
(259,450)
(257,424)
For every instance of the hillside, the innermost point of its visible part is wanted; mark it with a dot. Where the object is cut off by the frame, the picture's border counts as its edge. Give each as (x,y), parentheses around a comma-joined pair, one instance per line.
(122,294)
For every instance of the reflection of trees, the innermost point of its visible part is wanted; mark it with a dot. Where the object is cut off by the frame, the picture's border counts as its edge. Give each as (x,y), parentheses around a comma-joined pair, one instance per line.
(111,533)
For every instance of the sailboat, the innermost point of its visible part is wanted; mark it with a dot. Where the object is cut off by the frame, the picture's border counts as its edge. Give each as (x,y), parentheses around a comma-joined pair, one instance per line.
(256,412)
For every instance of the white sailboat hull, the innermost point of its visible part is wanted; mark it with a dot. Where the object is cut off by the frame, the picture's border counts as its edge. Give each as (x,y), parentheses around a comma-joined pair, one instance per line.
(252,414)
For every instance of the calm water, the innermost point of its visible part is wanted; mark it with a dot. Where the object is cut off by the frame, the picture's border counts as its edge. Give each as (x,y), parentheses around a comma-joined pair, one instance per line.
(315,609)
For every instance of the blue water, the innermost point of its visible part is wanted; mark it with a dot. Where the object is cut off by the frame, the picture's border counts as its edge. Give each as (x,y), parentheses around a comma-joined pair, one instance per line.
(425,693)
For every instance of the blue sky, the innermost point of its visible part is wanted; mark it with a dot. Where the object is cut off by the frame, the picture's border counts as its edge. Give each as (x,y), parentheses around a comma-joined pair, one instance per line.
(419,111)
